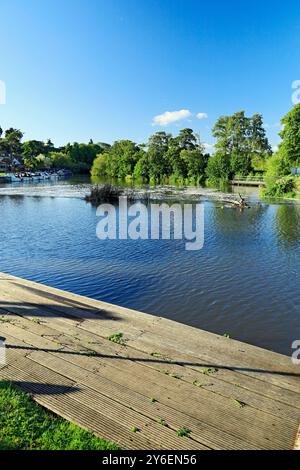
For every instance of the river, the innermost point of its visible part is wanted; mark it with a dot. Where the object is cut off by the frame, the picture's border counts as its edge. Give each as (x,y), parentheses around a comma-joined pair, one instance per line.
(244,282)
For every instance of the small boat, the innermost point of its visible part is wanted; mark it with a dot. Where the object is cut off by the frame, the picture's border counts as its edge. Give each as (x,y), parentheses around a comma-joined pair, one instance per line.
(15,178)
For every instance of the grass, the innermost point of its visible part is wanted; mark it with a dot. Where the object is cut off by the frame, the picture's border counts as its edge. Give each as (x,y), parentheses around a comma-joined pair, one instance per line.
(170,374)
(183,432)
(162,422)
(24,425)
(117,338)
(155,354)
(209,370)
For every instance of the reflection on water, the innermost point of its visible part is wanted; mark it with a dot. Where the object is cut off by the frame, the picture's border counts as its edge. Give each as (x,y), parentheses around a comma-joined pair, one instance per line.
(288,226)
(244,282)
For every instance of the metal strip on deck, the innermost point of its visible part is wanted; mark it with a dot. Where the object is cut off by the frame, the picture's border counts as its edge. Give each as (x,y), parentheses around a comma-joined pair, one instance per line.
(163,377)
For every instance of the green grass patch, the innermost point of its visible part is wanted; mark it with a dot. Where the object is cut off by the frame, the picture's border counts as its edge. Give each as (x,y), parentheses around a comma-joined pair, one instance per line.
(183,432)
(134,429)
(117,338)
(25,425)
(155,354)
(209,370)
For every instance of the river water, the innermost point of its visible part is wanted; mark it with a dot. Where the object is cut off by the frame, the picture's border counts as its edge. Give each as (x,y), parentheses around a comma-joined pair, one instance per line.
(243,282)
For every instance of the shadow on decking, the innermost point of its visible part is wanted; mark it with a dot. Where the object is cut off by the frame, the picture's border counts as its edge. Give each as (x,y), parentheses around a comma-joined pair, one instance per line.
(160,361)
(65,309)
(44,388)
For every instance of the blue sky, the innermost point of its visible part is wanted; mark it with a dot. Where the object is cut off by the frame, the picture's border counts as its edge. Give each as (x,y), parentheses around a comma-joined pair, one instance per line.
(103,69)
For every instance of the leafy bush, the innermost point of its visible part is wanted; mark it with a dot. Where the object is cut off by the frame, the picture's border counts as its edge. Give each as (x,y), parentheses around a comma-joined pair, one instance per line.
(282,187)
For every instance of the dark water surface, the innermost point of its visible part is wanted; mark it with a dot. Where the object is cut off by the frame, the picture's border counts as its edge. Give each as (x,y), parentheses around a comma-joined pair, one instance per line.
(244,282)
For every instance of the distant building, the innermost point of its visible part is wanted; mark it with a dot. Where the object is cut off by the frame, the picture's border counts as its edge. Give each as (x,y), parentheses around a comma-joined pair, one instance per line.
(5,164)
(296,171)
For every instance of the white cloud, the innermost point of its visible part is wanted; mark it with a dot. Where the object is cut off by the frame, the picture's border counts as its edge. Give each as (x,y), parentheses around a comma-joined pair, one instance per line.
(202,116)
(171,116)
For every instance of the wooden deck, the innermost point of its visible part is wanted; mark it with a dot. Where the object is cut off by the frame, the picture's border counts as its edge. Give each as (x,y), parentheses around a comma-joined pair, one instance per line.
(166,376)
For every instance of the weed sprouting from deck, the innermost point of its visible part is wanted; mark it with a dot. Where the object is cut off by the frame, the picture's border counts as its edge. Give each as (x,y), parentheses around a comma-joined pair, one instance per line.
(238,403)
(183,432)
(117,338)
(5,320)
(196,383)
(134,429)
(162,422)
(170,374)
(153,400)
(209,370)
(155,354)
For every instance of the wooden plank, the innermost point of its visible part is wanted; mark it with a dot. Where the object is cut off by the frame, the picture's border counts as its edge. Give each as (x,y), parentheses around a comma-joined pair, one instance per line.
(107,351)
(133,398)
(125,417)
(194,402)
(212,352)
(149,323)
(57,331)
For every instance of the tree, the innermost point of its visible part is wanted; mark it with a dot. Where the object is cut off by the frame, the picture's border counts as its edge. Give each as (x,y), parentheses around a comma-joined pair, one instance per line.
(289,148)
(158,146)
(30,150)
(117,161)
(49,146)
(196,162)
(186,139)
(142,168)
(240,139)
(12,145)
(83,155)
(61,160)
(218,168)
(99,167)
(278,165)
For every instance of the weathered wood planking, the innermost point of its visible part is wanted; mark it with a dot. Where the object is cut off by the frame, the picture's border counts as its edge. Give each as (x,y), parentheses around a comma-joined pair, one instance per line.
(231,395)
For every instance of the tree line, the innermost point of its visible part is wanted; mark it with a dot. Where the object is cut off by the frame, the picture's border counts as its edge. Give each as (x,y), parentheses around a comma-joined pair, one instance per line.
(241,148)
(38,155)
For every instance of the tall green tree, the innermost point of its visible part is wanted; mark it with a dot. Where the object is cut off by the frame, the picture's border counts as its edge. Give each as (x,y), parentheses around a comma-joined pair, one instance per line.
(158,146)
(240,140)
(289,148)
(30,150)
(12,147)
